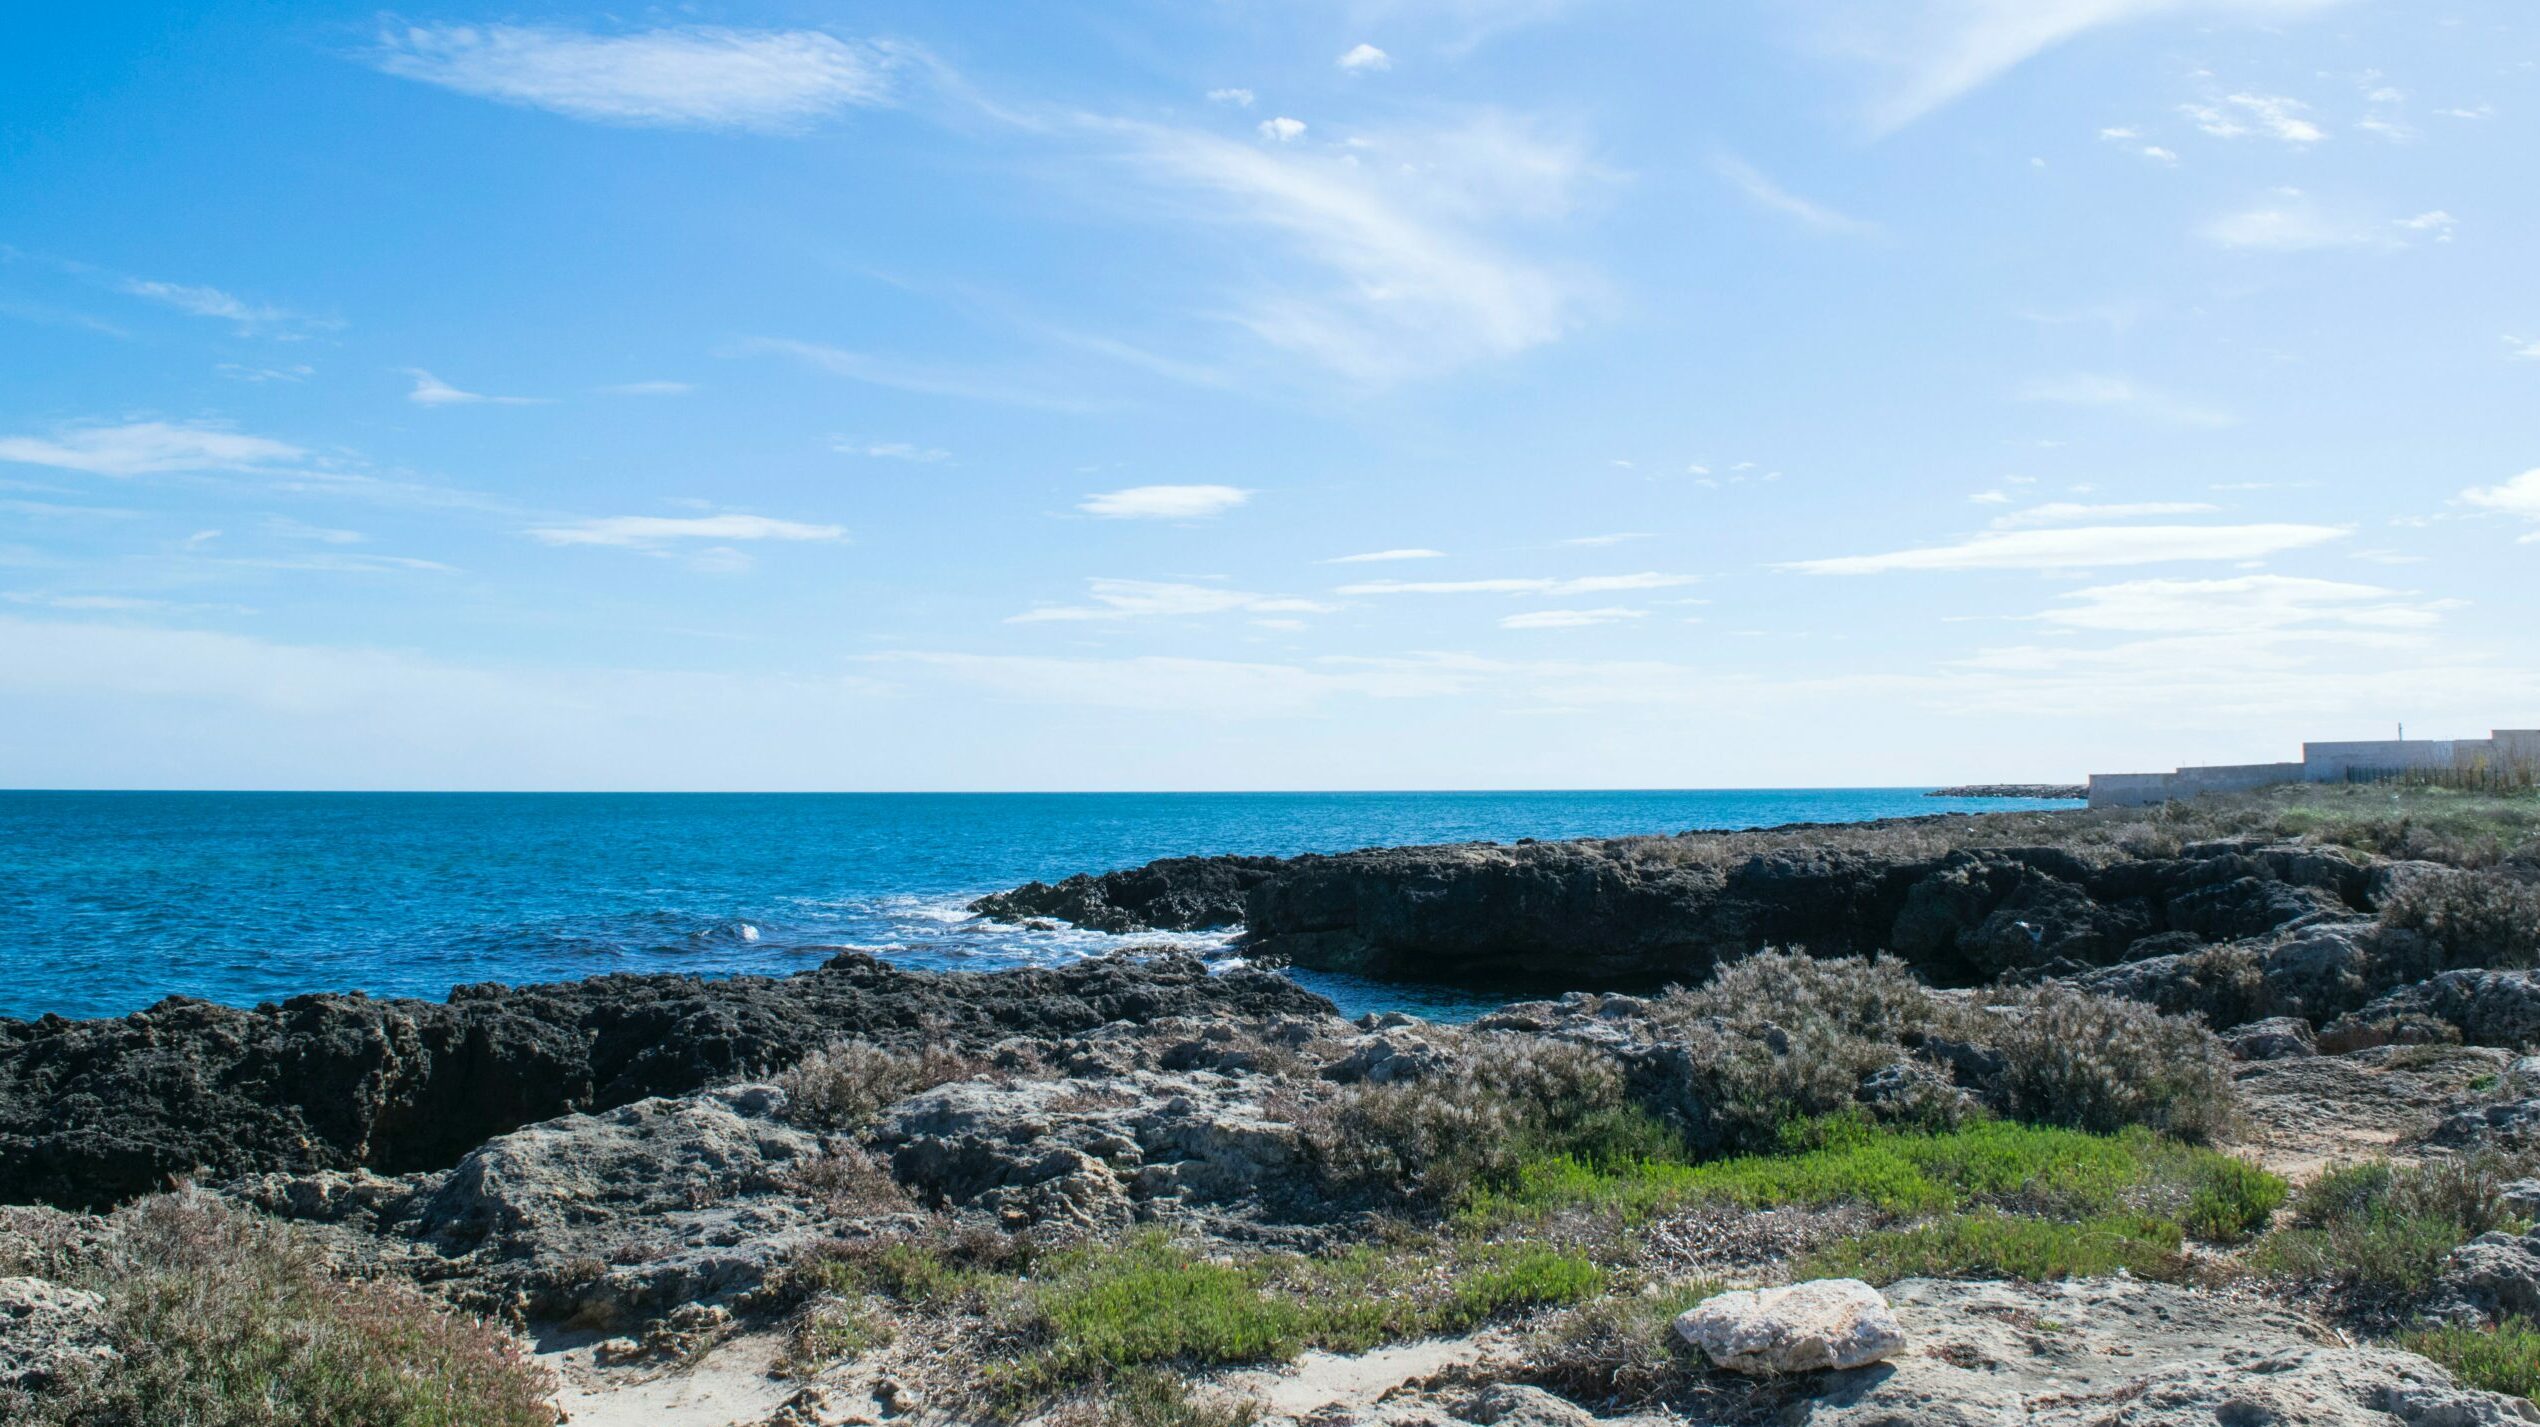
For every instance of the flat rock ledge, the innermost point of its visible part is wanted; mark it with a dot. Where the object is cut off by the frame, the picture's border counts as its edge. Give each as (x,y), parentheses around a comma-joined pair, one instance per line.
(1805,1327)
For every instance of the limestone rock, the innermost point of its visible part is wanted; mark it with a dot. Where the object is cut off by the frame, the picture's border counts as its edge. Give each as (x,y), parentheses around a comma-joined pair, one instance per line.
(1825,1323)
(48,1332)
(2276,1038)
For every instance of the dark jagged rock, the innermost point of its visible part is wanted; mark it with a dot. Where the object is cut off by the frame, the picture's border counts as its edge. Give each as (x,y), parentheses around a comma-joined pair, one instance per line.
(92,1112)
(1176,894)
(1645,911)
(2062,792)
(2497,1008)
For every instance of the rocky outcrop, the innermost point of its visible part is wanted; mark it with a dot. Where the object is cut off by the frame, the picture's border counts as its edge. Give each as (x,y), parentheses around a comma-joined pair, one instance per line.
(1838,1323)
(1642,912)
(93,1112)
(2498,1008)
(2061,792)
(47,1333)
(1177,894)
(2147,1355)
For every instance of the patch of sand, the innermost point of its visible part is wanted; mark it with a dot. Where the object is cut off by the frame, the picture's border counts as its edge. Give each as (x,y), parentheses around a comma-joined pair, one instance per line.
(730,1386)
(1317,1379)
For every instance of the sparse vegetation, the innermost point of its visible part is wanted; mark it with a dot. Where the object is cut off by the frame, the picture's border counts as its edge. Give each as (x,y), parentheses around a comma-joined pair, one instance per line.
(1989,1244)
(2097,1063)
(848,1083)
(2475,918)
(2378,1233)
(2504,1358)
(222,1318)
(1619,1351)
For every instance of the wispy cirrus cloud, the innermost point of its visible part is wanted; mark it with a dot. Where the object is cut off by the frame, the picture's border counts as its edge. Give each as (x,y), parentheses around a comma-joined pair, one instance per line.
(430,390)
(701,77)
(147,448)
(2073,513)
(1771,196)
(2241,605)
(2085,547)
(919,378)
(1149,599)
(1935,52)
(1164,502)
(1379,557)
(1398,259)
(1582,585)
(2289,220)
(2271,116)
(2120,393)
(1570,618)
(654,532)
(202,301)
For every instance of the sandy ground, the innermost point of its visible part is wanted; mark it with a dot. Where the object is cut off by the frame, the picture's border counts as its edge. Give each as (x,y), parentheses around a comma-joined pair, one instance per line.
(730,1386)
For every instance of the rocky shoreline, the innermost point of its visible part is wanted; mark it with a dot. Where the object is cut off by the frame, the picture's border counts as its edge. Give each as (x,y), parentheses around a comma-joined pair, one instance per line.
(2054,792)
(2206,1117)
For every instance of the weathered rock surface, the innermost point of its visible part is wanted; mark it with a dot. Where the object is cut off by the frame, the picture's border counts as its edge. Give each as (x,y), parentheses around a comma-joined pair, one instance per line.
(2490,1277)
(2121,1353)
(1178,894)
(92,1112)
(48,1332)
(2498,1008)
(1804,1327)
(1650,910)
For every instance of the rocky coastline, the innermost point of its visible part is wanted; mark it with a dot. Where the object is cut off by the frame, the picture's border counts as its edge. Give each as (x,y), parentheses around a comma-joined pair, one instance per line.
(2055,792)
(2207,1116)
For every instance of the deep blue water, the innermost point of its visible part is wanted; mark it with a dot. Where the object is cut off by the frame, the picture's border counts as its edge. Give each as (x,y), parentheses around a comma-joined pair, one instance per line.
(109,901)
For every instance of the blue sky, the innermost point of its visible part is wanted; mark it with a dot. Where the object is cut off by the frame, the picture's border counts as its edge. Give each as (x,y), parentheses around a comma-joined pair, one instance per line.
(1233,394)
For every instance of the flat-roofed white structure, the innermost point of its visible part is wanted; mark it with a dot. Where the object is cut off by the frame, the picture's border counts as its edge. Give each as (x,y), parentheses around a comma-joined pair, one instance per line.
(2506,753)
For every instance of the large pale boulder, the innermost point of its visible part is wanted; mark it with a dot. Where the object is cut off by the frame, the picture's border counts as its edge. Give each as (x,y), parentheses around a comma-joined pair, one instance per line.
(1826,1323)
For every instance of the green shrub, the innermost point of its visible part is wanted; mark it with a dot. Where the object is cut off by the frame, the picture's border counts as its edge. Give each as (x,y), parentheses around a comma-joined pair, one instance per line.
(1504,1099)
(2099,1063)
(1988,1244)
(2481,918)
(223,1318)
(852,1081)
(2504,1358)
(1848,1160)
(2381,1232)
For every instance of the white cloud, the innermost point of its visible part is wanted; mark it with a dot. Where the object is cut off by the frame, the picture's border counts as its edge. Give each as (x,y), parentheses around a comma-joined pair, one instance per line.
(290,529)
(767,80)
(2158,154)
(2120,135)
(2519,496)
(211,302)
(895,451)
(1282,129)
(1585,585)
(1374,557)
(2122,393)
(1770,195)
(1363,58)
(2241,605)
(241,372)
(2086,547)
(2068,513)
(2244,114)
(1164,502)
(430,390)
(2522,350)
(1146,599)
(652,532)
(1570,618)
(650,388)
(145,448)
(1240,98)
(1941,50)
(2291,221)
(909,376)
(1619,538)
(1397,277)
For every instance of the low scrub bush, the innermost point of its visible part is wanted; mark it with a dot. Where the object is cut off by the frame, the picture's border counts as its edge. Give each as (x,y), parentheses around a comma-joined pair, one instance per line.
(1994,1245)
(2098,1063)
(1621,1351)
(2483,918)
(222,1318)
(1505,1100)
(849,1083)
(2380,1232)
(2504,1358)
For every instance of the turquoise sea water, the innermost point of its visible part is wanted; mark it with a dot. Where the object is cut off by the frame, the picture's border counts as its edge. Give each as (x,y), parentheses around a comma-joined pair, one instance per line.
(111,901)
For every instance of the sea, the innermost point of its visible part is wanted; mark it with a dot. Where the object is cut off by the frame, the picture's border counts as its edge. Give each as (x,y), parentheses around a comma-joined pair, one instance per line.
(111,901)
